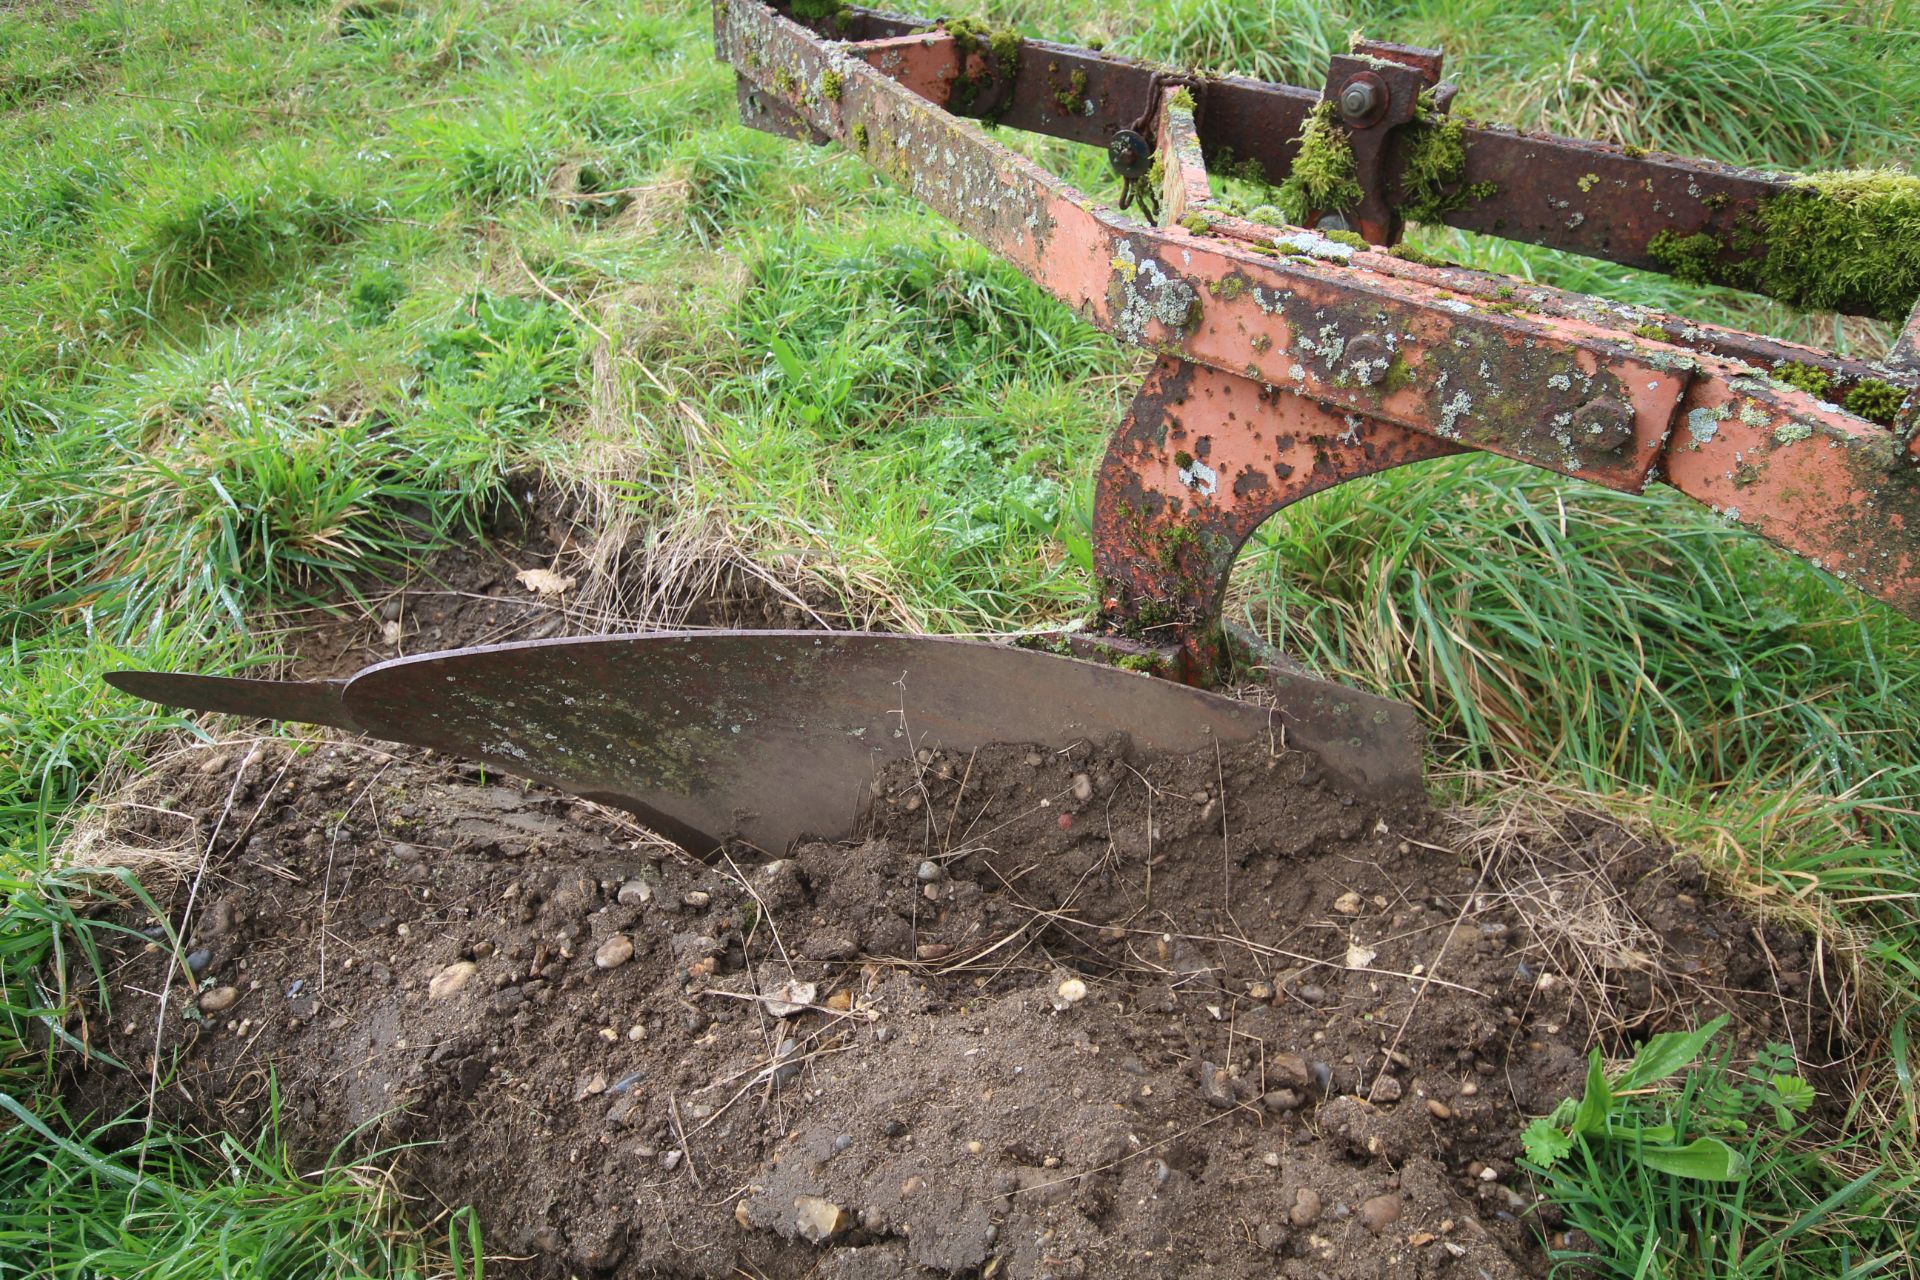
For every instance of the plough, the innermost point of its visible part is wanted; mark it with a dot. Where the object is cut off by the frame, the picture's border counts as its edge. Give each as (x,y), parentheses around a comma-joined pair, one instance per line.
(1298,345)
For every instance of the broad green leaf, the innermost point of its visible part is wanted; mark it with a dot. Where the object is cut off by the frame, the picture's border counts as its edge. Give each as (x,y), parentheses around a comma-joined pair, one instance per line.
(1703,1159)
(1667,1053)
(1591,1117)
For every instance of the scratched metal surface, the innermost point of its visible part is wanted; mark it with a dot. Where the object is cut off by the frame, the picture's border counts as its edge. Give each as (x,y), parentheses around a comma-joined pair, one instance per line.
(768,736)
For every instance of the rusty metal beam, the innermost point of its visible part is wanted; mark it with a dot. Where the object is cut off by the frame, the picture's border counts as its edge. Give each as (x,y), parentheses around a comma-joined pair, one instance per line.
(1599,199)
(1414,361)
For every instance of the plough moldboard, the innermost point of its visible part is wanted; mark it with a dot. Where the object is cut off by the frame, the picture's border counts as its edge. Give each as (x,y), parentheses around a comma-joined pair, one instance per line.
(1294,353)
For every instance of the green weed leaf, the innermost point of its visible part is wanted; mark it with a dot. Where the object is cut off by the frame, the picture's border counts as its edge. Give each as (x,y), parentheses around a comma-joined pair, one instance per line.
(1667,1053)
(1591,1117)
(1703,1159)
(1545,1143)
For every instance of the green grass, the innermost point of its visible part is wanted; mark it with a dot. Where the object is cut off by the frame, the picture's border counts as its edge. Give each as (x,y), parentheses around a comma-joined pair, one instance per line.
(1714,1174)
(113,1200)
(297,291)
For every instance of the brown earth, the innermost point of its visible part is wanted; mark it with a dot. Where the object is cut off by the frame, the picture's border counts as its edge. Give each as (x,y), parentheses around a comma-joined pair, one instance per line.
(1063,1013)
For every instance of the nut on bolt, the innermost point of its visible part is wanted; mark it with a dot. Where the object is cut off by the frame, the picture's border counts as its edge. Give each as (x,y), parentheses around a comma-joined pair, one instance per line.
(1604,422)
(1362,100)
(1367,358)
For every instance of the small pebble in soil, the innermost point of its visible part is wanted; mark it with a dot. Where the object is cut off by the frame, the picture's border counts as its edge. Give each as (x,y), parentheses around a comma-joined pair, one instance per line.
(1306,1207)
(1082,787)
(1262,991)
(198,960)
(1380,1212)
(931,872)
(451,979)
(1271,1159)
(1349,903)
(789,998)
(1386,1089)
(1073,991)
(931,950)
(1438,1109)
(634,893)
(697,898)
(218,999)
(1216,1086)
(614,952)
(1281,1100)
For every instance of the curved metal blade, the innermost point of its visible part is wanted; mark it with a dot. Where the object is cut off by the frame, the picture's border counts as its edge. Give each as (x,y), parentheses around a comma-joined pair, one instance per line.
(768,736)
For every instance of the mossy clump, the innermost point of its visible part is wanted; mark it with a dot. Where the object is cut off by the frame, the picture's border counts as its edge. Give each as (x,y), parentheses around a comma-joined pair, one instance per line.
(1651,332)
(1073,98)
(1414,253)
(1352,239)
(1694,259)
(831,85)
(1816,382)
(1847,241)
(1196,223)
(860,136)
(1145,663)
(1322,179)
(814,10)
(1002,47)
(1875,401)
(1433,182)
(1399,373)
(1183,99)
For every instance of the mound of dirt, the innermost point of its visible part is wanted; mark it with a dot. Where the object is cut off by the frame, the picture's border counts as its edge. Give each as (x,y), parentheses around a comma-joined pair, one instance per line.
(1060,1014)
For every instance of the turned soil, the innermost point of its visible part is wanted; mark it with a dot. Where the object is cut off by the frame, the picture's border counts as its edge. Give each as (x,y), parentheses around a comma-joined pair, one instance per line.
(1057,1014)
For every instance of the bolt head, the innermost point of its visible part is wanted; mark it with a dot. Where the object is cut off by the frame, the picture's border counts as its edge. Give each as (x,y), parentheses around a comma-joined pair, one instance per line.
(1358,99)
(1604,422)
(1366,358)
(1129,154)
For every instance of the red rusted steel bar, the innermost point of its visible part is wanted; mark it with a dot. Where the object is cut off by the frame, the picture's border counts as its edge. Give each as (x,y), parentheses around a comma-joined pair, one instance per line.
(1599,199)
(1291,361)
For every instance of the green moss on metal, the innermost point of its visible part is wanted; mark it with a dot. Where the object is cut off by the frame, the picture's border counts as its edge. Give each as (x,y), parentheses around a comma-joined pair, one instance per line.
(1814,381)
(1183,99)
(1413,253)
(1693,258)
(1875,401)
(1002,47)
(1846,241)
(1323,175)
(813,10)
(1433,183)
(1398,375)
(1073,98)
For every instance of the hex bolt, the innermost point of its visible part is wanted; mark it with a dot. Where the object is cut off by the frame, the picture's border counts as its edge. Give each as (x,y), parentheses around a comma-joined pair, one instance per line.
(1604,422)
(1366,357)
(1357,100)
